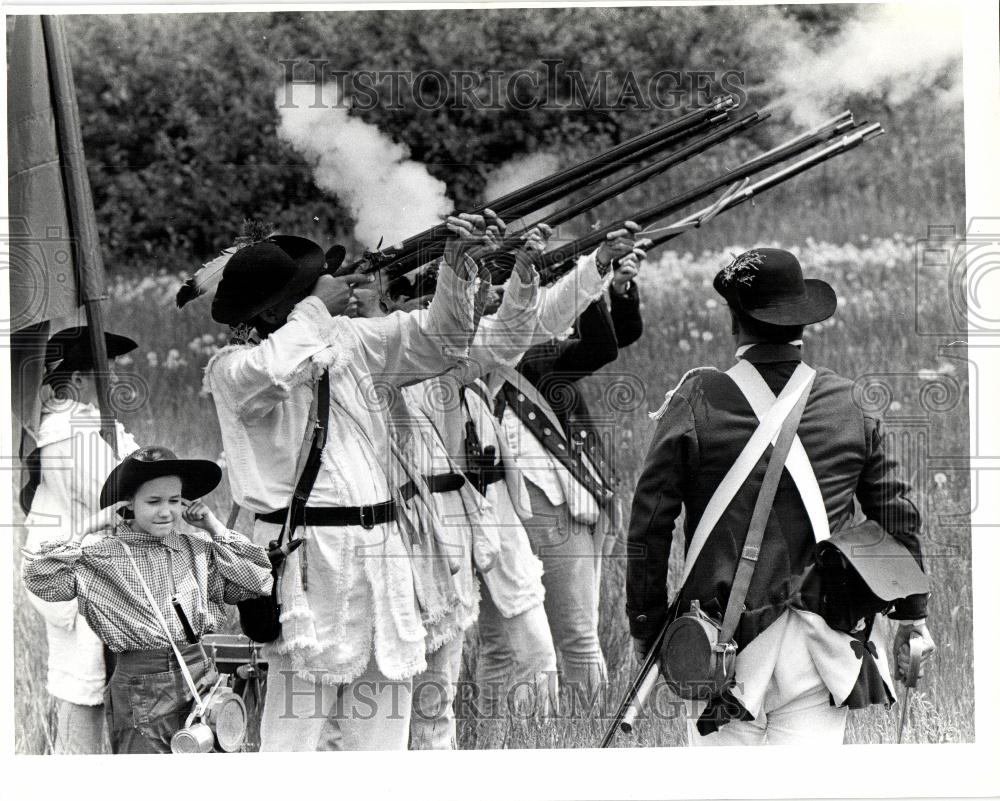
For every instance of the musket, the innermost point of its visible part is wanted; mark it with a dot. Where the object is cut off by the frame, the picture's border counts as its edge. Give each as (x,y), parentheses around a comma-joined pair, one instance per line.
(422,247)
(637,693)
(639,176)
(740,195)
(793,147)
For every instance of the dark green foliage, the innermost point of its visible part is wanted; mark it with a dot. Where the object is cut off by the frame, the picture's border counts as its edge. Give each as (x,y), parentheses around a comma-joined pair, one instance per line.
(179,119)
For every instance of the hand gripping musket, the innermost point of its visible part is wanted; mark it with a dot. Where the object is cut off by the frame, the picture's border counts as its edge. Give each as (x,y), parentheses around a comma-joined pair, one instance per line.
(559,260)
(427,245)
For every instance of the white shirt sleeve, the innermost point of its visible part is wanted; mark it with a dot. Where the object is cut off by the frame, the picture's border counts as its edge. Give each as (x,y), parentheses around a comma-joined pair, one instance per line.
(255,379)
(562,302)
(408,347)
(502,337)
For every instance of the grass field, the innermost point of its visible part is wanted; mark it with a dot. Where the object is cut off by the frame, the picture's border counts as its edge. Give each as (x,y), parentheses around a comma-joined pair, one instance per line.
(876,338)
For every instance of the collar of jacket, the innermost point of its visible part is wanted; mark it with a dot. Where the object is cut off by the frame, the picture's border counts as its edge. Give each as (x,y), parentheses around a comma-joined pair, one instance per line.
(132,537)
(765,352)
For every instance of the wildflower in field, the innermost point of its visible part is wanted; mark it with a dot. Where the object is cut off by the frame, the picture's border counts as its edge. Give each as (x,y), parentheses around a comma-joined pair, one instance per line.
(711,303)
(152,359)
(124,361)
(707,336)
(940,479)
(684,345)
(174,360)
(895,406)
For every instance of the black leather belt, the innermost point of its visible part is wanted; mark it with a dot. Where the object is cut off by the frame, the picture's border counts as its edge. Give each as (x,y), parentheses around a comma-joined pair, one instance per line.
(443,482)
(364,516)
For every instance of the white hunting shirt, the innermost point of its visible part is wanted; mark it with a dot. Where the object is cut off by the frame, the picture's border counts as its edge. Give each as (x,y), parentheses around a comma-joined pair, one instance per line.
(358,596)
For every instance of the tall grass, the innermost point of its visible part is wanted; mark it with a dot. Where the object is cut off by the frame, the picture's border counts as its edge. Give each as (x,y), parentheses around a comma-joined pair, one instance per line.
(873,339)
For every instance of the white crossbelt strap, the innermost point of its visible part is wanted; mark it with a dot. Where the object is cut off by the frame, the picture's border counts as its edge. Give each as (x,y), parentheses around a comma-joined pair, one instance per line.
(163,624)
(764,435)
(759,396)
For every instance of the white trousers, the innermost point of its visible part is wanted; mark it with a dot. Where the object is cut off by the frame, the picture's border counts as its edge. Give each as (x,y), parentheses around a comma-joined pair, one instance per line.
(432,721)
(796,706)
(372,713)
(806,720)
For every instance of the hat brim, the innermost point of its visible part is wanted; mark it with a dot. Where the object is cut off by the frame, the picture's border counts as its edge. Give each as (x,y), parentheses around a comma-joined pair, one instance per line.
(818,303)
(198,478)
(77,355)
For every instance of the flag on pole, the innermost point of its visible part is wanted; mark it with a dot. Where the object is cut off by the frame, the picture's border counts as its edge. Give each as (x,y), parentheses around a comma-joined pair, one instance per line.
(55,257)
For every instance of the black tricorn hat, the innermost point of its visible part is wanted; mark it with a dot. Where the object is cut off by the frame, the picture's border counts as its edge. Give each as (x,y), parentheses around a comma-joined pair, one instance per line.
(198,476)
(69,349)
(265,273)
(766,284)
(885,565)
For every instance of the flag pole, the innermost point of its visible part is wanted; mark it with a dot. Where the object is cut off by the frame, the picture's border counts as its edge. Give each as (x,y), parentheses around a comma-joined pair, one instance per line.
(88,263)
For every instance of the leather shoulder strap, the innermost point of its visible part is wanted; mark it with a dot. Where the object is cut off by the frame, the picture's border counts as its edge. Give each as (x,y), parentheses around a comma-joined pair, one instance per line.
(755,448)
(758,394)
(307,476)
(761,513)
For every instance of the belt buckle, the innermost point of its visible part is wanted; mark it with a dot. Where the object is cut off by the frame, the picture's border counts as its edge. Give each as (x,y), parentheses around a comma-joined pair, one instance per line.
(361,516)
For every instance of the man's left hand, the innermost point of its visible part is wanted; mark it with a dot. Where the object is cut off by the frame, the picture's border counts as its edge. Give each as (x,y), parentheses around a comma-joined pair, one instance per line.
(474,236)
(901,647)
(627,268)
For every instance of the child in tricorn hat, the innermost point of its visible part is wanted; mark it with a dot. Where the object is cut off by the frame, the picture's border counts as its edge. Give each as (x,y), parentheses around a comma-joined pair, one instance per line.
(147,699)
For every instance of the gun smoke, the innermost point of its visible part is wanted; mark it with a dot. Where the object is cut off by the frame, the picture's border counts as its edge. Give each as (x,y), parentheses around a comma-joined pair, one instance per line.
(389,195)
(893,49)
(519,172)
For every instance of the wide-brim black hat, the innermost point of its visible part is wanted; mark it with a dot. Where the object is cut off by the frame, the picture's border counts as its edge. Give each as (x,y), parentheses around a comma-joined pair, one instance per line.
(198,476)
(264,274)
(766,284)
(883,562)
(69,349)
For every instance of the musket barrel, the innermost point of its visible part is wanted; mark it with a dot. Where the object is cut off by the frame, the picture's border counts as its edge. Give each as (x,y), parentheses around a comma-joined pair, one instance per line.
(847,142)
(839,122)
(641,696)
(791,148)
(410,248)
(636,178)
(639,176)
(557,193)
(648,666)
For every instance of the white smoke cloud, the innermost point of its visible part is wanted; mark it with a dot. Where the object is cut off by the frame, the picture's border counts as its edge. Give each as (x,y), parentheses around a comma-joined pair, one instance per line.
(518,172)
(389,196)
(900,49)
